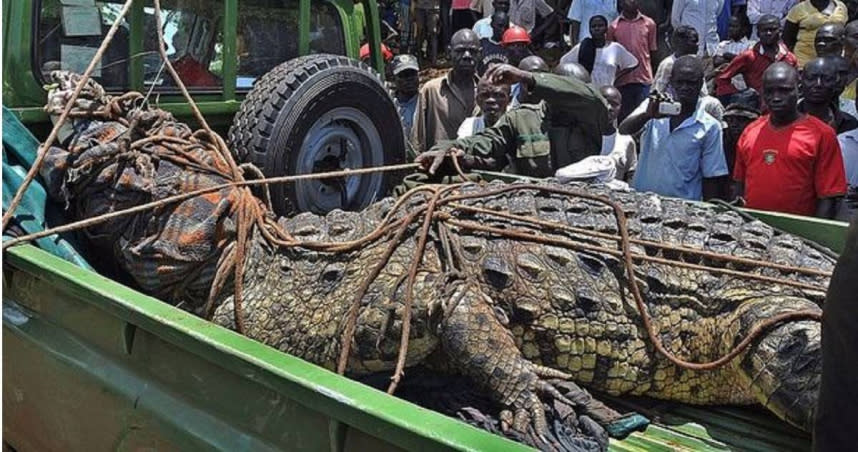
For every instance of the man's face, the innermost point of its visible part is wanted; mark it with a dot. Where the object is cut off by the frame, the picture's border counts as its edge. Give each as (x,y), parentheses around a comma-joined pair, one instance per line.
(598,28)
(501,5)
(780,93)
(851,40)
(630,6)
(464,54)
(687,45)
(828,42)
(735,30)
(769,33)
(407,82)
(615,101)
(819,83)
(735,126)
(493,100)
(686,83)
(516,52)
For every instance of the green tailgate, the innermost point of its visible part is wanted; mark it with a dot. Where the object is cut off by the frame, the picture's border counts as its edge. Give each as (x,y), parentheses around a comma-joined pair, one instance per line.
(93,365)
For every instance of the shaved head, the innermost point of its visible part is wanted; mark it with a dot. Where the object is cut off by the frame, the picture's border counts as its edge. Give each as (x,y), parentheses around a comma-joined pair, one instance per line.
(829,40)
(533,63)
(780,71)
(614,98)
(574,70)
(464,51)
(780,92)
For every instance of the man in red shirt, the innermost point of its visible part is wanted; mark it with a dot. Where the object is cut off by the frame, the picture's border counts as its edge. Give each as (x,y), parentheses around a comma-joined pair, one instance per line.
(638,34)
(751,63)
(788,161)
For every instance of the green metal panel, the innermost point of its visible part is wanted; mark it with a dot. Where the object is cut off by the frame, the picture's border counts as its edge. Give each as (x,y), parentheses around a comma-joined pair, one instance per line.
(825,232)
(304,27)
(94,365)
(135,46)
(230,47)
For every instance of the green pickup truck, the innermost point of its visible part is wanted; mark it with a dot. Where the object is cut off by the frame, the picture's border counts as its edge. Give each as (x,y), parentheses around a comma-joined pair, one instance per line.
(91,364)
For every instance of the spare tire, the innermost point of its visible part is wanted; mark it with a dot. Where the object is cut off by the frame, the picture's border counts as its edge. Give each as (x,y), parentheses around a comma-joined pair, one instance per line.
(320,113)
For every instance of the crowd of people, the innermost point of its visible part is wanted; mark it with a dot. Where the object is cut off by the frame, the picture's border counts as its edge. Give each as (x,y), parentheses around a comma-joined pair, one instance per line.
(749,101)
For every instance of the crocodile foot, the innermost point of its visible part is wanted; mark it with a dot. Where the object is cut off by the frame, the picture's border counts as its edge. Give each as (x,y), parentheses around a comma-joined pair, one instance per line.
(478,344)
(527,413)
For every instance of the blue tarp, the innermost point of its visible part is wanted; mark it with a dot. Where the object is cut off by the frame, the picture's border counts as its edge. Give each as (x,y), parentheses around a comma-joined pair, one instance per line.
(35,212)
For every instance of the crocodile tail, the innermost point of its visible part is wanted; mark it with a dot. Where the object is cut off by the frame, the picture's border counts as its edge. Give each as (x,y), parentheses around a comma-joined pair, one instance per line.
(781,369)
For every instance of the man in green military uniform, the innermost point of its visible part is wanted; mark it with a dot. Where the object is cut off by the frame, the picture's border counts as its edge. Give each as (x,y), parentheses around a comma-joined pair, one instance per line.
(534,140)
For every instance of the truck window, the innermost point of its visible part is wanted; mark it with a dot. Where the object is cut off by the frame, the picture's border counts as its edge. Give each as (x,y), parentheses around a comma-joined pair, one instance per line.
(68,37)
(194,40)
(268,35)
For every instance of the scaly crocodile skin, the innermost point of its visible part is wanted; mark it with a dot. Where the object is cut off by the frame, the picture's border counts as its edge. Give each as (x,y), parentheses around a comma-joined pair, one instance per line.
(514,304)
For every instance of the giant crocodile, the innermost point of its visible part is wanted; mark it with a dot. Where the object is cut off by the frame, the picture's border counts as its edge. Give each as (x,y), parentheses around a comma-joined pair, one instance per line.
(513,306)
(498,305)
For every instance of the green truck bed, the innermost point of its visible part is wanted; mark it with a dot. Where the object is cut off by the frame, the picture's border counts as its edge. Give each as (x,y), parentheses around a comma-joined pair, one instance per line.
(93,365)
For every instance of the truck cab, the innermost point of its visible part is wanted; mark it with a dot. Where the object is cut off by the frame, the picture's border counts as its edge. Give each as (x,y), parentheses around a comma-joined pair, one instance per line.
(219,47)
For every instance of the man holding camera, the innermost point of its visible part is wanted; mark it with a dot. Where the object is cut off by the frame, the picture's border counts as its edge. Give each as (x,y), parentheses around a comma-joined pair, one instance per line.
(682,153)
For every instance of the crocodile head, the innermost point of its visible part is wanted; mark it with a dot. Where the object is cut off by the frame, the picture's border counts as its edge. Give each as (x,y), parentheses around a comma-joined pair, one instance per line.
(62,86)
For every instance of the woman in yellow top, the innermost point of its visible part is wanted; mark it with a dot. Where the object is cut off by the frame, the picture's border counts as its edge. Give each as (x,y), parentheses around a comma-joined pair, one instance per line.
(804,19)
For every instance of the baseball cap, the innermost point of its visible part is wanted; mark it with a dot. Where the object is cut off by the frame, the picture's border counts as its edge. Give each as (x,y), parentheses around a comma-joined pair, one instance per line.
(404,62)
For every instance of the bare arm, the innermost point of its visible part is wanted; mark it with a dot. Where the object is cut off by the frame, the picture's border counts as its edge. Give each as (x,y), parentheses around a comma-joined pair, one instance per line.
(790,34)
(826,207)
(638,119)
(738,190)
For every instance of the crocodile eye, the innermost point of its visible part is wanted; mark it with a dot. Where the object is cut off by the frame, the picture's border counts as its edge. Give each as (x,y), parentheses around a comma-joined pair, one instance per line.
(332,274)
(496,272)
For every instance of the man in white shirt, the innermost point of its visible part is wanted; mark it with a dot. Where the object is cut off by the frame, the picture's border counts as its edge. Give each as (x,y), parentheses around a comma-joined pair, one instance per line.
(493,100)
(616,163)
(849,149)
(703,16)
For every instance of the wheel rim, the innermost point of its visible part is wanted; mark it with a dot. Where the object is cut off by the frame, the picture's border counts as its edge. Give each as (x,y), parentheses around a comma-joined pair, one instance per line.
(342,138)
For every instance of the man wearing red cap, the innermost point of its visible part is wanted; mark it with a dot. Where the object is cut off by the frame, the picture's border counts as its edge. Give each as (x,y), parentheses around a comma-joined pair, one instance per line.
(516,43)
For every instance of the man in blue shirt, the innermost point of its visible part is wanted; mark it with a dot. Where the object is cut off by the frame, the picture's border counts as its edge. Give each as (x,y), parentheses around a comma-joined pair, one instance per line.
(405,71)
(681,155)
